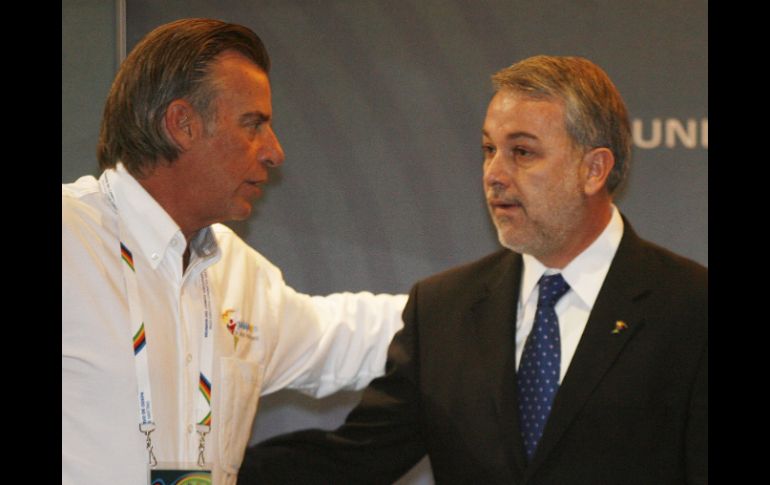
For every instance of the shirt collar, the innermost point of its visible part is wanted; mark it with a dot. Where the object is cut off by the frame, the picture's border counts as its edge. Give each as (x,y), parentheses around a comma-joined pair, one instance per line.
(585,274)
(149,224)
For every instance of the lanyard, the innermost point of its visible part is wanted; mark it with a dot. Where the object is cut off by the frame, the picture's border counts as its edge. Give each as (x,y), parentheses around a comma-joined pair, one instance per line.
(140,347)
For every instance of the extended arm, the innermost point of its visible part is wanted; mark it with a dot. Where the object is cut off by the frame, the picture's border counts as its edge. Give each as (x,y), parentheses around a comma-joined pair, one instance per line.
(379,442)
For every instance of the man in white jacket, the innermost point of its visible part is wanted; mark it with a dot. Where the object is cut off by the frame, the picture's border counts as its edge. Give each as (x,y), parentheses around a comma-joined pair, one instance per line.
(172,326)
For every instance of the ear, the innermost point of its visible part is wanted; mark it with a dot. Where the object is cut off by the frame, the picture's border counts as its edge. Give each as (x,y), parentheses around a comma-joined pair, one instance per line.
(180,121)
(597,164)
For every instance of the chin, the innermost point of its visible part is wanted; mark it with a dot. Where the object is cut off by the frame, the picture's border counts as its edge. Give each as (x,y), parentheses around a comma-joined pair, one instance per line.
(241,214)
(517,240)
(507,240)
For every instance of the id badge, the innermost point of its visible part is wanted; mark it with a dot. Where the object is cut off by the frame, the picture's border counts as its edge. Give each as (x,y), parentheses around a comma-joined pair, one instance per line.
(180,474)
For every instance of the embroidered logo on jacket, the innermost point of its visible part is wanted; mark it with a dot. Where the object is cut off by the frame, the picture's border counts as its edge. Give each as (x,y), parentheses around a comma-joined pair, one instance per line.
(237,327)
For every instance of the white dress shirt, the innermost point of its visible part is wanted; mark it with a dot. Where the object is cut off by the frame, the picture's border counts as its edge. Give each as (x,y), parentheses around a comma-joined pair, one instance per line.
(266,336)
(585,275)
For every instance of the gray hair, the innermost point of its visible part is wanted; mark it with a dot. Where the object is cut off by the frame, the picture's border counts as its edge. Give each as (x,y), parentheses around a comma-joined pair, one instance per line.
(171,62)
(595,114)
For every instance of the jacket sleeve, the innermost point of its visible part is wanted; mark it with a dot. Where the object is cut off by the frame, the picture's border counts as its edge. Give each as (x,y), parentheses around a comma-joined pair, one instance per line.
(379,441)
(697,428)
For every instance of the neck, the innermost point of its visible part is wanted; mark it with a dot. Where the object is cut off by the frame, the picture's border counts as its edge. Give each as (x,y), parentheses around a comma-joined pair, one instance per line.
(589,230)
(163,185)
(159,184)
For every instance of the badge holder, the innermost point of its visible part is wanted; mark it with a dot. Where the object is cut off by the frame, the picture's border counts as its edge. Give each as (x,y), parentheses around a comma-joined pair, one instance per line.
(178,473)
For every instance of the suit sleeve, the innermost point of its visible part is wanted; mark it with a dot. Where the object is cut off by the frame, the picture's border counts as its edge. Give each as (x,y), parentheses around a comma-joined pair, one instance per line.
(379,441)
(697,428)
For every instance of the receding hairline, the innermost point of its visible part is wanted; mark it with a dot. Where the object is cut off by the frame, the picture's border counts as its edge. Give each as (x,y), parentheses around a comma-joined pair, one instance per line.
(217,72)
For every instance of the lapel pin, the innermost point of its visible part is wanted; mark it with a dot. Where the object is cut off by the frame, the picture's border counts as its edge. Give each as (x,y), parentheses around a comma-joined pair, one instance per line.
(620,325)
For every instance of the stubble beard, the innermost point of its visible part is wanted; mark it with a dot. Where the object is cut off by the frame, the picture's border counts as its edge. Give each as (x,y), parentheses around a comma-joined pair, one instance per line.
(544,236)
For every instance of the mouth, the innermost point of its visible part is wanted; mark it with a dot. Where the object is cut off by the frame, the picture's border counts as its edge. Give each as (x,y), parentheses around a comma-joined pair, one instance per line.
(504,205)
(256,183)
(255,189)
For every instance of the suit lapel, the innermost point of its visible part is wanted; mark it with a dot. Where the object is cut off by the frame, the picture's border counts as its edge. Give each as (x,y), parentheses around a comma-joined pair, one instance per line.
(616,317)
(493,317)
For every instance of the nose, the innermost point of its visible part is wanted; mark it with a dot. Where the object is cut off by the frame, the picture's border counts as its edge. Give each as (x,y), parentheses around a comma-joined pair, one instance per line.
(495,171)
(272,154)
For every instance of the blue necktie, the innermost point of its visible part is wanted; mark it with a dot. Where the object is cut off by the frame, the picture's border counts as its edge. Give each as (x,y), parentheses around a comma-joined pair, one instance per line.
(538,374)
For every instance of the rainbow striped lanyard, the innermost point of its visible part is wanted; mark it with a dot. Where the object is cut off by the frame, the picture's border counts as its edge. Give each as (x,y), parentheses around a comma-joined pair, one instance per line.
(139,343)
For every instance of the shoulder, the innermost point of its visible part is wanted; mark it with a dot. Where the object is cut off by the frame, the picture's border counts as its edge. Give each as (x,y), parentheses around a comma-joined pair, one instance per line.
(79,195)
(84,208)
(676,263)
(473,277)
(238,256)
(674,287)
(684,281)
(671,270)
(82,187)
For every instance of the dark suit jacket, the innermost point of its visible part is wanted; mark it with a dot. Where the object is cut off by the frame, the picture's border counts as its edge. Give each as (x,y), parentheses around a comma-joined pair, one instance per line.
(632,407)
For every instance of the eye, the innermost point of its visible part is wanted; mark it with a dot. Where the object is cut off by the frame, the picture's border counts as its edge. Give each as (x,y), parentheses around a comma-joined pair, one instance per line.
(488,150)
(521,152)
(254,121)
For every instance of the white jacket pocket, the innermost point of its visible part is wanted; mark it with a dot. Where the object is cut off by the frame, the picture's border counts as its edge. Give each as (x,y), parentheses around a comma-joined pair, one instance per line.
(240,382)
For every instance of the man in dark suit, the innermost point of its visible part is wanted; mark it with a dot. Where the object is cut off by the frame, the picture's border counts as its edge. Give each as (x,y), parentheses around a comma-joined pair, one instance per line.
(594,374)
